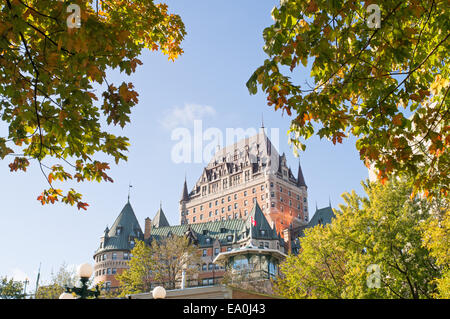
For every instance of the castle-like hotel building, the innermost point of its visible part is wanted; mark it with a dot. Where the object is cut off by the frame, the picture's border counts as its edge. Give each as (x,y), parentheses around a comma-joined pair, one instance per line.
(246,207)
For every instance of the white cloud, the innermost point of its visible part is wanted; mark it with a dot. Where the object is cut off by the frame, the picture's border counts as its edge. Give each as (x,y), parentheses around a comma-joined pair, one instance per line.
(19,274)
(185,116)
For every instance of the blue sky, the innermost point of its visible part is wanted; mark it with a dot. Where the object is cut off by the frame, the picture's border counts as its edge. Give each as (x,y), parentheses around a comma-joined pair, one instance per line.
(222,48)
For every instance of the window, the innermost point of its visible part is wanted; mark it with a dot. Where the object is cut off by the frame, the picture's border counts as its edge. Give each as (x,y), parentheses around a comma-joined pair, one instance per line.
(230,238)
(201,207)
(245,193)
(245,212)
(201,216)
(254,190)
(114,256)
(262,187)
(125,256)
(193,219)
(109,271)
(193,210)
(205,252)
(272,194)
(304,199)
(289,193)
(271,184)
(217,211)
(223,209)
(104,272)
(104,256)
(236,215)
(266,244)
(119,230)
(245,203)
(208,240)
(210,266)
(235,196)
(229,198)
(223,200)
(217,202)
(298,197)
(204,267)
(210,214)
(114,271)
(210,205)
(228,248)
(273,204)
(254,199)
(108,285)
(235,205)
(229,207)
(281,189)
(216,251)
(263,232)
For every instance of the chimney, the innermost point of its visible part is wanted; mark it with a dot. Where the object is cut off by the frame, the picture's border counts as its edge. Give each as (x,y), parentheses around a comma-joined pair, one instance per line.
(287,239)
(148,228)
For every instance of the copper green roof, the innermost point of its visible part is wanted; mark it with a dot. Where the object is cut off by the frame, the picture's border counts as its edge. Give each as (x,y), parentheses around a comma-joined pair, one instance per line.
(160,219)
(222,229)
(125,226)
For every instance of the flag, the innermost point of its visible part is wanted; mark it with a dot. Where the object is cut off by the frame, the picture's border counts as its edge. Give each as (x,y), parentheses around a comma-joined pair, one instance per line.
(253,221)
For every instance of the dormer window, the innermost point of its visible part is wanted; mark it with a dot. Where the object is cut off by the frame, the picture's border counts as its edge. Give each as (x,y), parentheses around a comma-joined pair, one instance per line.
(132,243)
(230,238)
(223,230)
(118,230)
(263,232)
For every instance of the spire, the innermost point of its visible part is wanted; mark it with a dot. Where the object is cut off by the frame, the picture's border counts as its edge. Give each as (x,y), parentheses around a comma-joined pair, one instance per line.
(329,201)
(262,120)
(160,219)
(129,188)
(300,178)
(185,194)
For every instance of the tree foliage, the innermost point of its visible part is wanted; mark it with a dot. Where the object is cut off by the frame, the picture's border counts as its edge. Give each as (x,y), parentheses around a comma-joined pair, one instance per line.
(383,230)
(437,240)
(160,263)
(386,86)
(52,74)
(137,278)
(65,276)
(11,289)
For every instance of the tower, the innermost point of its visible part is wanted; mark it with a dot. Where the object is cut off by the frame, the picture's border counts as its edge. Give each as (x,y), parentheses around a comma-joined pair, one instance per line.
(115,246)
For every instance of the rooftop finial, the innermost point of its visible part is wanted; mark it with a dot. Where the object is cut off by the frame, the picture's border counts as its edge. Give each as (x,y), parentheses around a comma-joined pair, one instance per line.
(262,120)
(129,188)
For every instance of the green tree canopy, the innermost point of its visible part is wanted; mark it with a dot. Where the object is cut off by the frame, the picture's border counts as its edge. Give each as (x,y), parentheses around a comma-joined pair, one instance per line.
(161,263)
(54,57)
(372,249)
(11,289)
(387,86)
(65,276)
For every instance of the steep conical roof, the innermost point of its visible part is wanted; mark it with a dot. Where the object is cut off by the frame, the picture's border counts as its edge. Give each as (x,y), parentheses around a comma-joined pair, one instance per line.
(160,219)
(257,222)
(185,194)
(300,178)
(125,225)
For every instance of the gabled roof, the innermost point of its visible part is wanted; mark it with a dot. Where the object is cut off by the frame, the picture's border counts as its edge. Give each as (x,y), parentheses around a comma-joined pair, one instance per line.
(125,225)
(160,219)
(257,222)
(214,229)
(322,216)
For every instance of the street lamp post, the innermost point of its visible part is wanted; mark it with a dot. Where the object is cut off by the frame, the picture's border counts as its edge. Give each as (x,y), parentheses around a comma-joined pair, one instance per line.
(85,272)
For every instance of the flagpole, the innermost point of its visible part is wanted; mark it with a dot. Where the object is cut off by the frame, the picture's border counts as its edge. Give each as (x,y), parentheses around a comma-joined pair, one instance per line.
(37,280)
